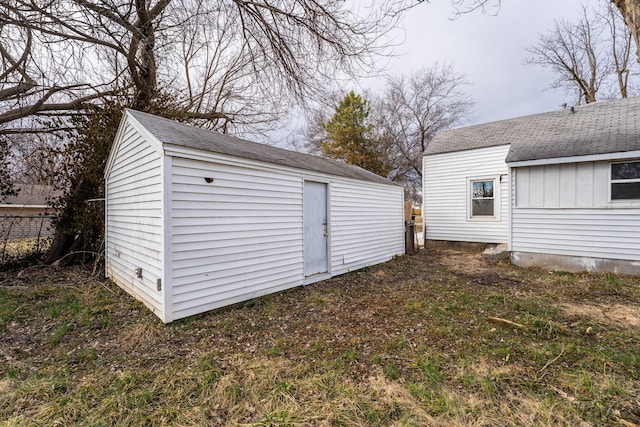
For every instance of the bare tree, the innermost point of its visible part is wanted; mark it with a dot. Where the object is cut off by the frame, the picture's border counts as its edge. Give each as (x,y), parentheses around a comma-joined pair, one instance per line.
(620,41)
(410,112)
(466,6)
(629,9)
(573,53)
(41,56)
(227,65)
(60,55)
(36,158)
(586,55)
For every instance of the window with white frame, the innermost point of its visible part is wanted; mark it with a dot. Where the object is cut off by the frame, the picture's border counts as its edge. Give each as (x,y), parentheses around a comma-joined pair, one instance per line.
(625,181)
(482,198)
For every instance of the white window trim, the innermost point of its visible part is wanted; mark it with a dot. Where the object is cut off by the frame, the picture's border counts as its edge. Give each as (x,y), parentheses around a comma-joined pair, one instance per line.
(622,202)
(497,198)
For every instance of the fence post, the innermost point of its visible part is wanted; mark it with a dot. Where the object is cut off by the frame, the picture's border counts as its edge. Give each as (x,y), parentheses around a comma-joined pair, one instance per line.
(410,237)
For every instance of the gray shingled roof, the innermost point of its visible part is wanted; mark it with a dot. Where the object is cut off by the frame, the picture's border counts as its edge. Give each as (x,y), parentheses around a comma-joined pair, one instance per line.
(32,195)
(598,128)
(175,133)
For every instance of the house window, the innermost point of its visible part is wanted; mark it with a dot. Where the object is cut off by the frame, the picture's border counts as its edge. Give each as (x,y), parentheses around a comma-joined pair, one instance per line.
(625,181)
(482,198)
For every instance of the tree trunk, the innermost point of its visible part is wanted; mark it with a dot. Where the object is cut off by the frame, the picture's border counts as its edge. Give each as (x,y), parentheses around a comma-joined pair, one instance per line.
(79,228)
(630,10)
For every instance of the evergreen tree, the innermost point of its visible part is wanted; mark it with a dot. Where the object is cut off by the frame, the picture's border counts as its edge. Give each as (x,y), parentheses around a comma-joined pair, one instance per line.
(350,137)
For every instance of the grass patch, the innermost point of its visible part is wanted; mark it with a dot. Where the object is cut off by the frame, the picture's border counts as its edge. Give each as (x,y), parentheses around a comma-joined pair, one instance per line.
(405,343)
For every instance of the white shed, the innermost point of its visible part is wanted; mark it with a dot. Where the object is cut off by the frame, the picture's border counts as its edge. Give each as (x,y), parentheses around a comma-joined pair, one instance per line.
(197,220)
(572,186)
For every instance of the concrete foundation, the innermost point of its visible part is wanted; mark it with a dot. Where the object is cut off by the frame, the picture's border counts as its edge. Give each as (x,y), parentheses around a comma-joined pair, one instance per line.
(575,264)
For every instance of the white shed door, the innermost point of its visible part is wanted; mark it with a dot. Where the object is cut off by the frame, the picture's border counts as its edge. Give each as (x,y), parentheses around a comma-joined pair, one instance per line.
(315,228)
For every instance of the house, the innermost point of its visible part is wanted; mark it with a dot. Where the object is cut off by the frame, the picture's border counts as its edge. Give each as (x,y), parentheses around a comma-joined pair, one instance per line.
(561,189)
(27,214)
(197,220)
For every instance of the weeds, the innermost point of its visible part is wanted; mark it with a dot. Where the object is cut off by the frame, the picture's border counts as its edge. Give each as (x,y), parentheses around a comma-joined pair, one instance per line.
(58,334)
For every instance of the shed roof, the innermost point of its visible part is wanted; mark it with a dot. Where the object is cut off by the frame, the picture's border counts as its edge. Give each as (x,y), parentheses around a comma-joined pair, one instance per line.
(180,134)
(597,128)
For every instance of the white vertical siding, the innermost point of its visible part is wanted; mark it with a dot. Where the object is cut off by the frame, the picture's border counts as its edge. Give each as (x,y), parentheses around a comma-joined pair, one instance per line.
(134,217)
(568,185)
(445,195)
(584,178)
(367,224)
(574,216)
(235,238)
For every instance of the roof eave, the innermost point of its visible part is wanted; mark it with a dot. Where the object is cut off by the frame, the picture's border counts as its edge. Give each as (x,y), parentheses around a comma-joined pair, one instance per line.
(575,159)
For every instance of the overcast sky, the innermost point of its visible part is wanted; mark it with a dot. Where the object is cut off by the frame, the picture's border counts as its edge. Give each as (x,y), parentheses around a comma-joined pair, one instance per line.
(489,50)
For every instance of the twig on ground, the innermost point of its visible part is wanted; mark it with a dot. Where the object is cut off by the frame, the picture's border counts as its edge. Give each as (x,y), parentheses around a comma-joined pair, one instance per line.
(503,322)
(552,361)
(563,394)
(104,285)
(16,310)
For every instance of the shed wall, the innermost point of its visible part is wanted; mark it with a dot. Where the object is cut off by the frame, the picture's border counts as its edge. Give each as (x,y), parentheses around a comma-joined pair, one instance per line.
(565,210)
(236,238)
(241,236)
(367,225)
(445,195)
(133,232)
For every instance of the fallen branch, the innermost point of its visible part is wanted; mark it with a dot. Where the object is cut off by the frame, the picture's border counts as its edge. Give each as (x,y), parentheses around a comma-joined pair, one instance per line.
(503,322)
(552,361)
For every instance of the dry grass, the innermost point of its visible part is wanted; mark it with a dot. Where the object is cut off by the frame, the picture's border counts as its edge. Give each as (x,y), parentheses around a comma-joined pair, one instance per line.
(405,343)
(613,314)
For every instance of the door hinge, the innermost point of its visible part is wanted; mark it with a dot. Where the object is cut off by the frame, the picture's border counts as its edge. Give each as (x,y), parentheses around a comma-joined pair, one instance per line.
(159,285)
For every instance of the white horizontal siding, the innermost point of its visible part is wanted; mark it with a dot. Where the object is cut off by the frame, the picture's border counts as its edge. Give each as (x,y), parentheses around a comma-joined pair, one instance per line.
(235,238)
(595,233)
(367,225)
(445,195)
(134,217)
